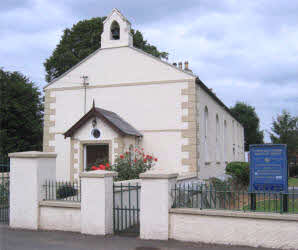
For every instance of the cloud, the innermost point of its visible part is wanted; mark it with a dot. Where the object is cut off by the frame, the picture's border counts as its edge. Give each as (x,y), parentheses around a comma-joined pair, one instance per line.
(244,50)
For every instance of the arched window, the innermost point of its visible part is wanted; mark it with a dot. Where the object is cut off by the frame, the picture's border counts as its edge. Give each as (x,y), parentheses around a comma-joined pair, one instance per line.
(217,138)
(225,144)
(233,135)
(206,134)
(115,31)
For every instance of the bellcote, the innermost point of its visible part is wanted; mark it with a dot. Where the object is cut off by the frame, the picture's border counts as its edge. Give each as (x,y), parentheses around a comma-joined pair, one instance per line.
(116,31)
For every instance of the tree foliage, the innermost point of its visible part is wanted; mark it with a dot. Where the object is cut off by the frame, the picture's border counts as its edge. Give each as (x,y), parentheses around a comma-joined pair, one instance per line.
(285,131)
(83,39)
(20,114)
(239,172)
(246,114)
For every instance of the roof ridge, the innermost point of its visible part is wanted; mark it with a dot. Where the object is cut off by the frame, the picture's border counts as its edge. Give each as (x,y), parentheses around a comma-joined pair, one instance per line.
(160,60)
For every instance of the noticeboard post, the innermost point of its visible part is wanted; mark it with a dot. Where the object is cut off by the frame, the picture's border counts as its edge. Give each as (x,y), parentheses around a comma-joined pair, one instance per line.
(268,170)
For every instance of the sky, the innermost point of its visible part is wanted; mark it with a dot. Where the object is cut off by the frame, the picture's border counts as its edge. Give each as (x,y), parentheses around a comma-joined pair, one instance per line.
(244,50)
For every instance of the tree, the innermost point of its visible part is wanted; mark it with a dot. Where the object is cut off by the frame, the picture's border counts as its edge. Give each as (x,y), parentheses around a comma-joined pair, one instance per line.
(83,39)
(285,131)
(247,116)
(20,114)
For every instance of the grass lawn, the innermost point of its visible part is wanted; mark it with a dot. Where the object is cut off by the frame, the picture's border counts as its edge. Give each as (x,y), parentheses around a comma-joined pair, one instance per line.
(274,206)
(293,182)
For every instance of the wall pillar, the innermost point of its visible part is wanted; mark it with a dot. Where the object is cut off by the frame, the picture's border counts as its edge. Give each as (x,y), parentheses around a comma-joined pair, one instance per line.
(28,172)
(156,201)
(97,202)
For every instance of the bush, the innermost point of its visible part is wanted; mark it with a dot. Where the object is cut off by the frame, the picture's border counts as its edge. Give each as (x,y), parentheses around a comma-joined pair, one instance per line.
(65,191)
(218,183)
(130,164)
(239,172)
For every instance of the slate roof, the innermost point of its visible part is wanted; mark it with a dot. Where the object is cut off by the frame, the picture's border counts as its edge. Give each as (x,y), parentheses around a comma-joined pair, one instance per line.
(111,118)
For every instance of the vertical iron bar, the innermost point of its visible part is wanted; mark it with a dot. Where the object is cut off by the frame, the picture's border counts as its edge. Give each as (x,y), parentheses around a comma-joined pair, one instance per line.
(118,219)
(121,205)
(201,196)
(192,191)
(114,222)
(179,195)
(129,205)
(281,202)
(134,215)
(138,211)
(187,200)
(125,213)
(293,201)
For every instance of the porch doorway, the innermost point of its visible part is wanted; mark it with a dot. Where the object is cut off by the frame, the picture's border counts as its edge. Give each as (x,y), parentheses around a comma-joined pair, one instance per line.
(96,154)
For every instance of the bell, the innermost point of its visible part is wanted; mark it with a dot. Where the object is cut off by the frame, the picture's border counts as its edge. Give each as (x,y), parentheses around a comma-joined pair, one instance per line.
(115,33)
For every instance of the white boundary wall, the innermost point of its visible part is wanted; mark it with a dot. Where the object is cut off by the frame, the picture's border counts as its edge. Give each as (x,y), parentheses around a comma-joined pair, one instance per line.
(234,228)
(62,216)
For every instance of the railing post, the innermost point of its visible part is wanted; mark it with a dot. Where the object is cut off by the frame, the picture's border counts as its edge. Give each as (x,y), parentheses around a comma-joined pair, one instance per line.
(28,173)
(156,201)
(97,202)
(285,203)
(253,201)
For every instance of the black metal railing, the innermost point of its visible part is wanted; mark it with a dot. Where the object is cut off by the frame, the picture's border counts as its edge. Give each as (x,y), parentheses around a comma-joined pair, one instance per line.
(4,192)
(62,191)
(204,196)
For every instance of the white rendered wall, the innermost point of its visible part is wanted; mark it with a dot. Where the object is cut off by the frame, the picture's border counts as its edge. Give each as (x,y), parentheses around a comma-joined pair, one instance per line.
(155,110)
(60,218)
(27,175)
(166,147)
(146,107)
(119,65)
(97,210)
(62,147)
(211,166)
(234,231)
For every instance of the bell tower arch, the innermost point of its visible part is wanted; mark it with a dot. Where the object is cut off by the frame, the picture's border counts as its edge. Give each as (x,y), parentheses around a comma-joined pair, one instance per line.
(116,31)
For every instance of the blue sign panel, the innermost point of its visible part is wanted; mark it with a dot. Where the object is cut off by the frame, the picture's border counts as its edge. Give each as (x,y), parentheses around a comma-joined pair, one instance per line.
(268,168)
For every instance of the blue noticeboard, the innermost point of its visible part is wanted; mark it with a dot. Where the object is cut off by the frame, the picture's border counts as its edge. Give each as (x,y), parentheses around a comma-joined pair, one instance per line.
(268,168)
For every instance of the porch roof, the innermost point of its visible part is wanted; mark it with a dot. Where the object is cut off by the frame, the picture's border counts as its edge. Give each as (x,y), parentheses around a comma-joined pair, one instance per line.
(111,118)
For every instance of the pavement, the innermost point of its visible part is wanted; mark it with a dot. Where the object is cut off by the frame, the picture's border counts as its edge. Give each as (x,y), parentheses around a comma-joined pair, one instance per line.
(11,239)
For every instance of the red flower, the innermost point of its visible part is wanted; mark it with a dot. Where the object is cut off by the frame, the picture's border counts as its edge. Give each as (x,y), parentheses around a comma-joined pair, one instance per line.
(135,160)
(102,167)
(145,160)
(107,165)
(155,159)
(121,156)
(142,149)
(93,168)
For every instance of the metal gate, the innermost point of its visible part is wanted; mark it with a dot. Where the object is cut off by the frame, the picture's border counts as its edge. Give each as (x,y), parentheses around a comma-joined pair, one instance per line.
(4,193)
(126,208)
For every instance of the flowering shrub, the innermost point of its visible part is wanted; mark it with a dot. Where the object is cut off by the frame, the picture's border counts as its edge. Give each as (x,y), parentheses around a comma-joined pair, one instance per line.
(130,164)
(101,167)
(99,164)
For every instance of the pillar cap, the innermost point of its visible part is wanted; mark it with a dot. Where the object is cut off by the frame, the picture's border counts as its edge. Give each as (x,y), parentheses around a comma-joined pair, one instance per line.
(98,174)
(158,174)
(32,154)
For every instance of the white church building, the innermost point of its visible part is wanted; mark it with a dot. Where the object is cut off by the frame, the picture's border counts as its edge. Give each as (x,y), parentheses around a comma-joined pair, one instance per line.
(120,97)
